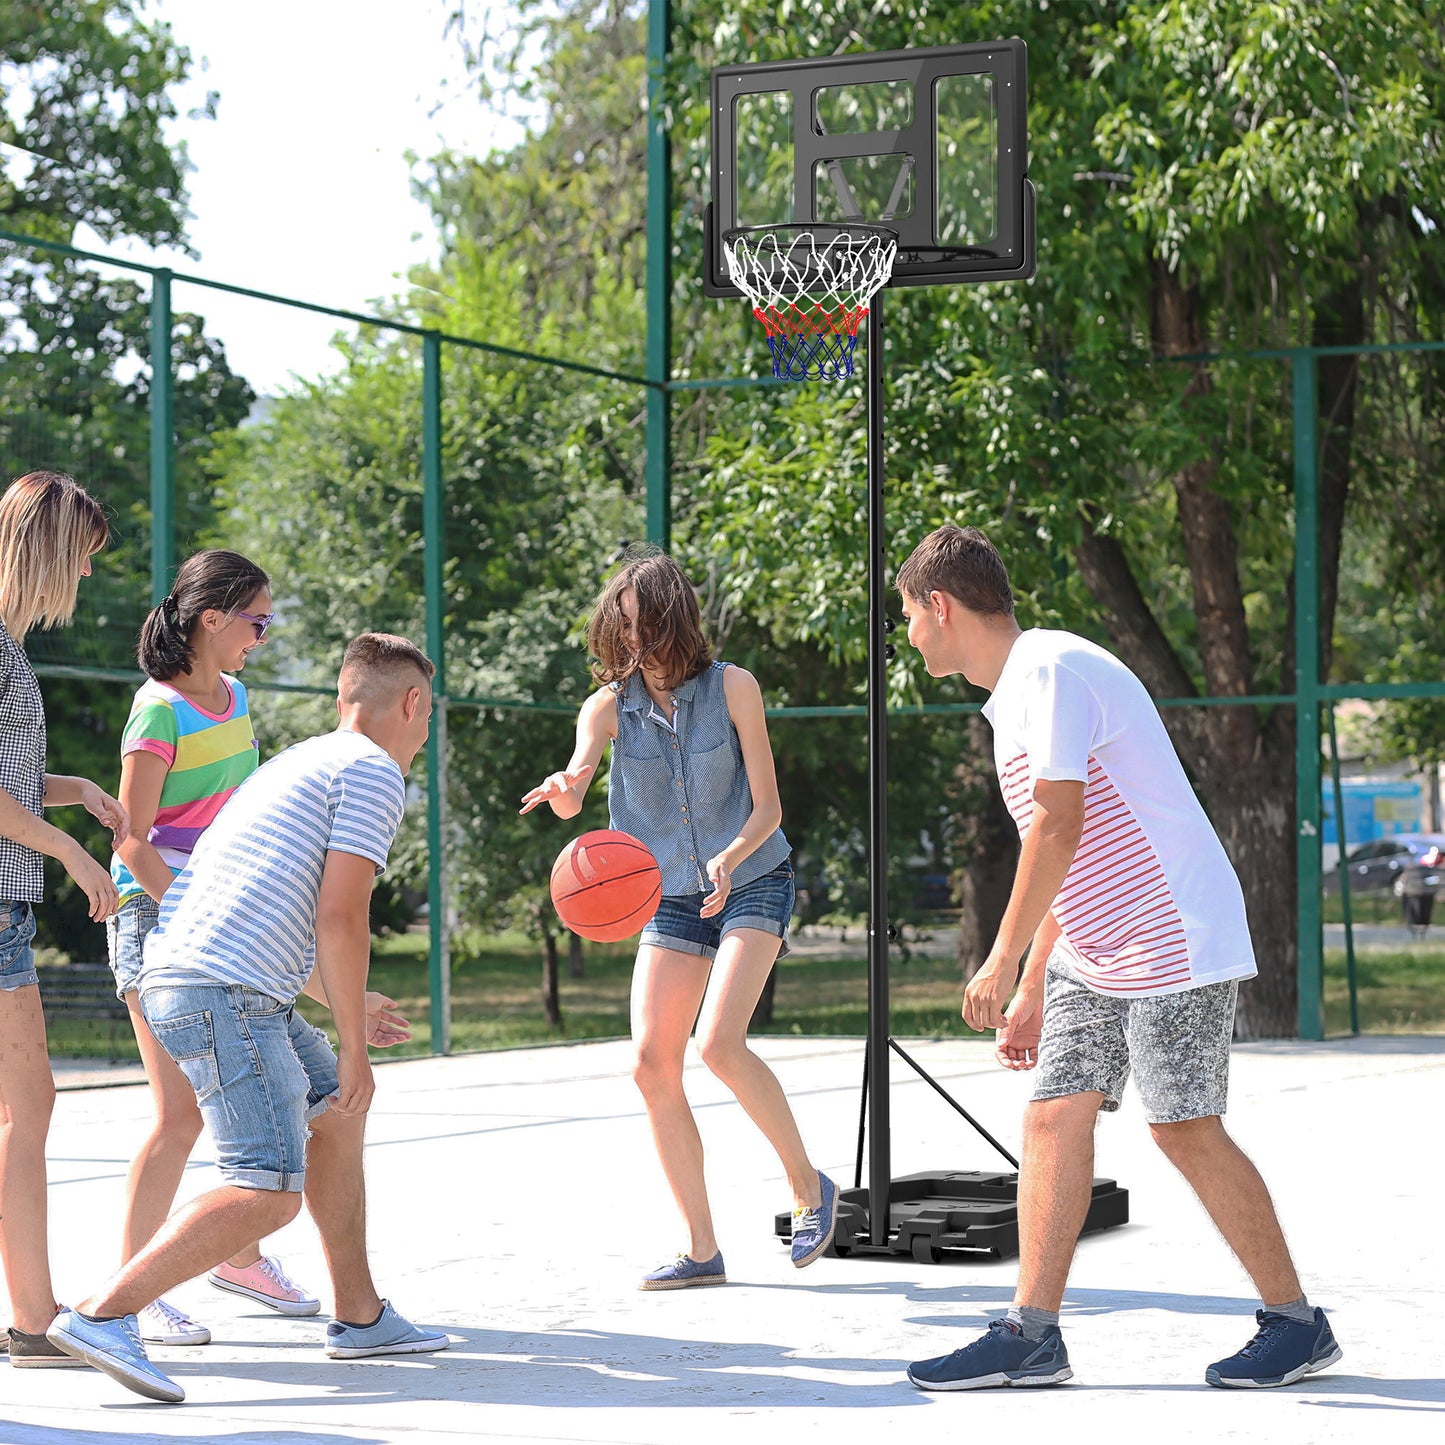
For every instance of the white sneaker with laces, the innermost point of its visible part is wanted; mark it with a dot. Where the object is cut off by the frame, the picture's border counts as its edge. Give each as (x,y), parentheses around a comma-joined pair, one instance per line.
(162,1323)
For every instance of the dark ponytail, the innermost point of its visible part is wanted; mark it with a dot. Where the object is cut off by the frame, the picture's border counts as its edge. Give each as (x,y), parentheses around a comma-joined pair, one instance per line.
(214,580)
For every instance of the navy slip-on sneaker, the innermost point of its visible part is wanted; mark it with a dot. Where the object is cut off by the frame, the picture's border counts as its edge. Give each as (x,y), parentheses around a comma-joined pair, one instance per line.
(684,1272)
(813,1228)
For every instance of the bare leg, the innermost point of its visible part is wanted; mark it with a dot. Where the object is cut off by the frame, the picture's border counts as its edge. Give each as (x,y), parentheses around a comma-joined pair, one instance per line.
(738,975)
(336,1199)
(667,989)
(194,1239)
(1054,1187)
(156,1171)
(27,1097)
(1230,1188)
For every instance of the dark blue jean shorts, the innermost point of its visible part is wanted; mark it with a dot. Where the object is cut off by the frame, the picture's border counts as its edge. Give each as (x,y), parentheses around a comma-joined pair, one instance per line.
(17,958)
(766,904)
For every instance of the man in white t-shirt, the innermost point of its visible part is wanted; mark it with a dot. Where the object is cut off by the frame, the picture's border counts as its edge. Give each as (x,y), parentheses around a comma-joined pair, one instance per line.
(275,900)
(1137,938)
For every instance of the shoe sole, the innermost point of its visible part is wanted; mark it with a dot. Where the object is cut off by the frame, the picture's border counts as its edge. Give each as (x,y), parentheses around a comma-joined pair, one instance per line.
(46,1362)
(203,1338)
(293,1309)
(405,1347)
(1310,1367)
(650,1286)
(985,1382)
(152,1387)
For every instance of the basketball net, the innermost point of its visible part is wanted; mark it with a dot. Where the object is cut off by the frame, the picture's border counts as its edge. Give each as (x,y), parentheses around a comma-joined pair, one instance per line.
(810,286)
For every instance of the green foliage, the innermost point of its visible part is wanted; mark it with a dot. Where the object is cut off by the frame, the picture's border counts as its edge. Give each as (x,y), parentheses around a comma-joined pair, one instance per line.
(85,93)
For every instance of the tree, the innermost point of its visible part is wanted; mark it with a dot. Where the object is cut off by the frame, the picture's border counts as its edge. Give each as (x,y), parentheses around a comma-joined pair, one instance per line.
(85,92)
(1211,175)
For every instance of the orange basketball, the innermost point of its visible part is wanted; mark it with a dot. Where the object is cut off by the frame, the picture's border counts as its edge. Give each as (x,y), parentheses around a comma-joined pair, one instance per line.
(606,885)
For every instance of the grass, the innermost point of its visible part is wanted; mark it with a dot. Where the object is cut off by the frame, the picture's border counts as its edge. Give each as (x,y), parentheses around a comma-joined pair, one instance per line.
(497,982)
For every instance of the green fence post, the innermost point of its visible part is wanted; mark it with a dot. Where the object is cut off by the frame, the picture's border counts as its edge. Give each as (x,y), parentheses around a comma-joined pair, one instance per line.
(433,559)
(162,440)
(1345,904)
(1307,692)
(659,281)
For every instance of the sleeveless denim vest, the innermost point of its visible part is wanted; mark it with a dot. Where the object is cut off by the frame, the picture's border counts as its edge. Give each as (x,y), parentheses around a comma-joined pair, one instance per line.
(685,793)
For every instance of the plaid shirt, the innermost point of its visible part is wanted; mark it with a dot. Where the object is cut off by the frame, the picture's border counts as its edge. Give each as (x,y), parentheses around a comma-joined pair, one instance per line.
(22,767)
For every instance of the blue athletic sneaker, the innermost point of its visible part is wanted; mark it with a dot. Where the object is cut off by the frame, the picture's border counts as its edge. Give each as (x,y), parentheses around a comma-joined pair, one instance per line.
(1000,1357)
(1282,1351)
(390,1335)
(113,1346)
(813,1228)
(685,1271)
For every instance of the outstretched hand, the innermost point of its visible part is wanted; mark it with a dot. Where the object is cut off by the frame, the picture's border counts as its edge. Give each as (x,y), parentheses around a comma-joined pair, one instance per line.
(553,786)
(383,1027)
(109,811)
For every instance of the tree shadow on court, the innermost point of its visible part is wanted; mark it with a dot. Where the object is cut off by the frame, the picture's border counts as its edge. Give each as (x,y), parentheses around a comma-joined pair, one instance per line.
(563,1369)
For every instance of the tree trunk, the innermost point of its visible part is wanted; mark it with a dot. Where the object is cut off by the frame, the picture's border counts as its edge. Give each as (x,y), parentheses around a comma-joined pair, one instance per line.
(551,1004)
(763,1011)
(574,956)
(986,846)
(1254,814)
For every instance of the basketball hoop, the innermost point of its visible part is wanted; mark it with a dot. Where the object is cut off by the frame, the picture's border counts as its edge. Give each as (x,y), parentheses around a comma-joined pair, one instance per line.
(810,285)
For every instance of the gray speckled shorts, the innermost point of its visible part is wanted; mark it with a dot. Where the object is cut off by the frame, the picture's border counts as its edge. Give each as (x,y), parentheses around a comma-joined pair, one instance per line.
(1177,1045)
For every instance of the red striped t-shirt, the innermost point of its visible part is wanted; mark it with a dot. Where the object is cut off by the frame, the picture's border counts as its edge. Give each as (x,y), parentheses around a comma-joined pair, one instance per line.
(1150,904)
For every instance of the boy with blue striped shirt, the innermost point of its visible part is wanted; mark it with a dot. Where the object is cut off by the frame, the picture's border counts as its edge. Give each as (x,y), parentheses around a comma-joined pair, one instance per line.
(275,901)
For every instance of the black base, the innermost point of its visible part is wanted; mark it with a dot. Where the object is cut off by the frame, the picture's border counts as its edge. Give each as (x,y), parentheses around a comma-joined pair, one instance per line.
(962,1212)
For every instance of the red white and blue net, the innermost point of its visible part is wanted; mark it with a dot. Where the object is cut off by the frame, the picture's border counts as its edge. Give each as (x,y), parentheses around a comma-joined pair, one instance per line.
(811,286)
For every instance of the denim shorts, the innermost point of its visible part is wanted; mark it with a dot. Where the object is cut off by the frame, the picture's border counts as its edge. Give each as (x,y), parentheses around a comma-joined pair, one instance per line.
(766,903)
(125,936)
(1175,1044)
(260,1073)
(17,959)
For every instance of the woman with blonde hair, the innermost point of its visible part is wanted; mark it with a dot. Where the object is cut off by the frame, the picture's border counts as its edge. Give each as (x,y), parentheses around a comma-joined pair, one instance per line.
(50,527)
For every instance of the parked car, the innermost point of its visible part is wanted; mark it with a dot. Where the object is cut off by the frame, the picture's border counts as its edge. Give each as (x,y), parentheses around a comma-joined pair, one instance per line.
(1377,866)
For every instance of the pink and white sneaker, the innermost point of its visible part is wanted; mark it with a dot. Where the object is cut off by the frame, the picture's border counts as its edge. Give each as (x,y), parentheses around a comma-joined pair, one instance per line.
(267,1284)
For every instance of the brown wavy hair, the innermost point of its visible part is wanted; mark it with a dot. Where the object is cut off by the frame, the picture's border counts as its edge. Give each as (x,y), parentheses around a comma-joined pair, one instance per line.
(668,622)
(49,525)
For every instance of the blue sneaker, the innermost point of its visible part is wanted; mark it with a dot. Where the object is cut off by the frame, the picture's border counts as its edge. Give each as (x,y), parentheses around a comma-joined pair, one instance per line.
(813,1228)
(1000,1357)
(113,1346)
(684,1272)
(390,1335)
(1282,1351)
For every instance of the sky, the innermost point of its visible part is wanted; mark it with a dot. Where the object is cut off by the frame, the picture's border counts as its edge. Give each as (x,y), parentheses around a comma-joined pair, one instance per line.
(301,184)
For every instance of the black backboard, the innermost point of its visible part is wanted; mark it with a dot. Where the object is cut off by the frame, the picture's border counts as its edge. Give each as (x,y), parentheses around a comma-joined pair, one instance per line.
(932,143)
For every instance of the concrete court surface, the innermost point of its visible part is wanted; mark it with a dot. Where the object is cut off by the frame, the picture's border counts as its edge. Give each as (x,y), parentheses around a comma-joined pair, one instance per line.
(515,1201)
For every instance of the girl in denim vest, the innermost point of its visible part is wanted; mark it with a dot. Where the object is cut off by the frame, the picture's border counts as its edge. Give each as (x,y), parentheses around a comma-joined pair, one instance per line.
(692,776)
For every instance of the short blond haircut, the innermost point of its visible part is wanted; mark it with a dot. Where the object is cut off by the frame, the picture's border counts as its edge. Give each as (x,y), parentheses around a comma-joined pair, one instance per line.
(380,667)
(49,525)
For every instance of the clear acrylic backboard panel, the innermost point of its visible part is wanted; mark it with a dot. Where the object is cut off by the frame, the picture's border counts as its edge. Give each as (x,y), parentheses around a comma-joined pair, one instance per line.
(932,143)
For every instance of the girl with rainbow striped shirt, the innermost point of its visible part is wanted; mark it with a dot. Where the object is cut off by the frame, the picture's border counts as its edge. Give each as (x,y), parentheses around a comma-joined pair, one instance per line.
(187,747)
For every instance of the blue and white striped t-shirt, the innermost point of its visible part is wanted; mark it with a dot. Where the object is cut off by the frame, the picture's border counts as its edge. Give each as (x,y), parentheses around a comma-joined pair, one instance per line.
(243,911)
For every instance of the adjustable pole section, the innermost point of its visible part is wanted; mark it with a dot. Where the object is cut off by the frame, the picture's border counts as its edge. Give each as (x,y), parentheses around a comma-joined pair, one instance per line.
(879,1165)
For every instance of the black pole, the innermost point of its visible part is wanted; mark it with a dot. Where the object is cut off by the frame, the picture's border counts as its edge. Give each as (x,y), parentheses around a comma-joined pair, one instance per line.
(879,1167)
